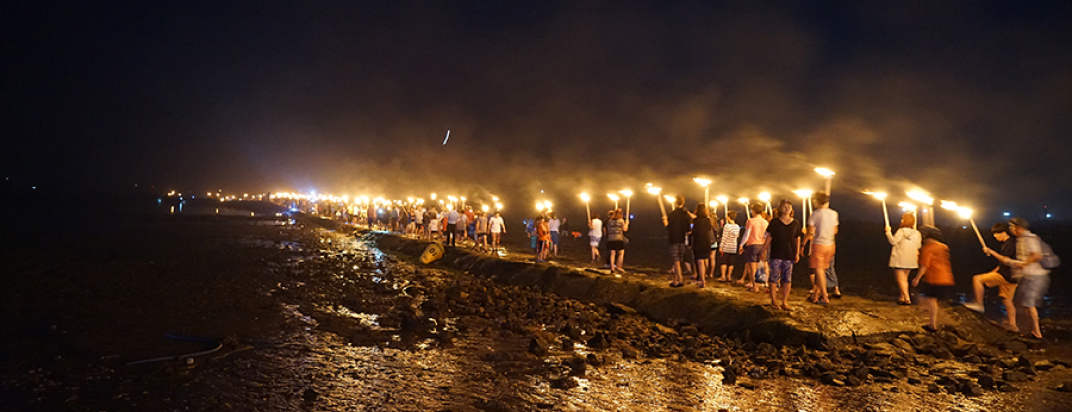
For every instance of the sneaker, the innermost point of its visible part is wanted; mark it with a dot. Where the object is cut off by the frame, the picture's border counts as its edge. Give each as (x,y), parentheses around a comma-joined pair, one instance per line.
(978,307)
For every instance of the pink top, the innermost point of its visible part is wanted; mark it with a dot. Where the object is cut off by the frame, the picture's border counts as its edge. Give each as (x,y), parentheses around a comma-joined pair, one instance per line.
(757,230)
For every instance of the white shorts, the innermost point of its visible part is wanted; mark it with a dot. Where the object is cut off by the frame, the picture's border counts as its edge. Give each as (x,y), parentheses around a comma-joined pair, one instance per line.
(594,241)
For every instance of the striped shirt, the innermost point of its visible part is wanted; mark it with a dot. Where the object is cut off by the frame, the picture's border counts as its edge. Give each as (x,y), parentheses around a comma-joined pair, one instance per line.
(730,232)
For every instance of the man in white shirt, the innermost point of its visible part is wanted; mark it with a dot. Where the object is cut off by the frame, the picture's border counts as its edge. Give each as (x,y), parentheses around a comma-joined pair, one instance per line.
(498,227)
(448,228)
(822,227)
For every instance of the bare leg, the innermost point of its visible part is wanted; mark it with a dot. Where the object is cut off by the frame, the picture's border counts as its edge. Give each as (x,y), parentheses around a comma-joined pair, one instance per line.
(786,287)
(1010,309)
(932,306)
(614,259)
(774,294)
(1035,331)
(677,272)
(977,285)
(820,278)
(902,283)
(621,260)
(701,271)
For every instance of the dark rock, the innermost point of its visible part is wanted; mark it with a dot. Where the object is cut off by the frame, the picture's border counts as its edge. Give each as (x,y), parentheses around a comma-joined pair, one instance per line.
(567,345)
(567,382)
(945,381)
(852,380)
(987,382)
(972,390)
(766,349)
(1015,376)
(620,309)
(895,389)
(932,388)
(914,381)
(538,347)
(861,372)
(1043,365)
(577,365)
(310,395)
(1013,346)
(1065,387)
(746,384)
(942,353)
(1007,388)
(593,360)
(629,353)
(599,341)
(728,377)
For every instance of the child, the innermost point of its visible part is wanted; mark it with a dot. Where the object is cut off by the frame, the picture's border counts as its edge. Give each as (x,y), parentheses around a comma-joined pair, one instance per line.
(934,264)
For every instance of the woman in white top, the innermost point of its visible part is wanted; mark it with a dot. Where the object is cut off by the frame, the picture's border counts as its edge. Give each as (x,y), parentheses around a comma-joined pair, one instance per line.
(595,234)
(905,254)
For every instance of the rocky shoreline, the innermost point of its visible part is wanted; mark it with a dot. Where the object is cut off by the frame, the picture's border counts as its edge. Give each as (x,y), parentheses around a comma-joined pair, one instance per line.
(950,361)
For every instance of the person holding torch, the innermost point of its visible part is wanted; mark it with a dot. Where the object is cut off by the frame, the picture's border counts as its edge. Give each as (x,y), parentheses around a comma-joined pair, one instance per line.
(904,255)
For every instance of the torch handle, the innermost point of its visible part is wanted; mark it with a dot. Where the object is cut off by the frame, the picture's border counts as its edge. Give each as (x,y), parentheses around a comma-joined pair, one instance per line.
(886,212)
(662,207)
(588,210)
(977,234)
(628,206)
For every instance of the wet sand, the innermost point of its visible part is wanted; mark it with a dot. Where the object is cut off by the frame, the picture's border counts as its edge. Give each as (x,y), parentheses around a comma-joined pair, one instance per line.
(315,320)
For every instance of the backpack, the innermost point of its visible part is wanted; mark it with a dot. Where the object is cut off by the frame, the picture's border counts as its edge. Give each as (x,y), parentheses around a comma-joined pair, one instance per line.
(1049,259)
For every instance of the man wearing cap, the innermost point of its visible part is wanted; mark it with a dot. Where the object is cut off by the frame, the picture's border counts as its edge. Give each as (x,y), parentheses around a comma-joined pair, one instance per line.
(1031,278)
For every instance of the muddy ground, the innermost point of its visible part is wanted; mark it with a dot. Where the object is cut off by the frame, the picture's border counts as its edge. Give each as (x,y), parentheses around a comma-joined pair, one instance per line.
(309,319)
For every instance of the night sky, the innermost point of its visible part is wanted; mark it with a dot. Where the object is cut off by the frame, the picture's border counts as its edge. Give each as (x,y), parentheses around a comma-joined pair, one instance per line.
(969,100)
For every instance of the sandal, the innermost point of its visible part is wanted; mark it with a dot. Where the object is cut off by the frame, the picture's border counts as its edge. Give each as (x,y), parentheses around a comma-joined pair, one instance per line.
(928,328)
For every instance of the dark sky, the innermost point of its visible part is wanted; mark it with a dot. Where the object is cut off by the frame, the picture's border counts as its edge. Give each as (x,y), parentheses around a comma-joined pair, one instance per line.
(970,100)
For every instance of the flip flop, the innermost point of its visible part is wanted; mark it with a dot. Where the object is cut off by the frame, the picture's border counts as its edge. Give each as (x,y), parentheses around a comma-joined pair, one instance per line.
(928,328)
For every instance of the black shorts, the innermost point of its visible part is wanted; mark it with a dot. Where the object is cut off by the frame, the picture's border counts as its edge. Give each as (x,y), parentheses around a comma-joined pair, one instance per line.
(941,292)
(615,245)
(730,259)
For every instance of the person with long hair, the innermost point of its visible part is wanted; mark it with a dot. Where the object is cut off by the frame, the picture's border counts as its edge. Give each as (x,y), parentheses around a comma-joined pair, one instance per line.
(702,238)
(904,255)
(616,228)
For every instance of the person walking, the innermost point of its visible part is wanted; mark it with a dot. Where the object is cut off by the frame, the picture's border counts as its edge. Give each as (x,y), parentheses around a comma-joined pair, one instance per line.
(904,255)
(1000,277)
(703,234)
(934,265)
(1032,280)
(595,235)
(677,224)
(784,245)
(553,225)
(481,227)
(727,248)
(822,228)
(755,232)
(616,229)
(498,228)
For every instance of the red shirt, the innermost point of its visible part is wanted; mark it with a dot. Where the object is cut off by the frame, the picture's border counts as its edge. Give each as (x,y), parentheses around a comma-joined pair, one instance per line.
(935,257)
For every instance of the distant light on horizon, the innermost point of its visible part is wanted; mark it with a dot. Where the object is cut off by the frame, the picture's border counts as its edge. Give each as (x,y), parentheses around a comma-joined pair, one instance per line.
(1007,214)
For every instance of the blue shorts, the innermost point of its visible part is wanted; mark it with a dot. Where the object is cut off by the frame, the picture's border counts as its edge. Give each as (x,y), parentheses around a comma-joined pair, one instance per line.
(554,238)
(1030,290)
(753,253)
(781,271)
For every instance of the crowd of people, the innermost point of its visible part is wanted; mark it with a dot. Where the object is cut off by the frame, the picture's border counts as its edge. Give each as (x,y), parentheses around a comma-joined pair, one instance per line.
(768,244)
